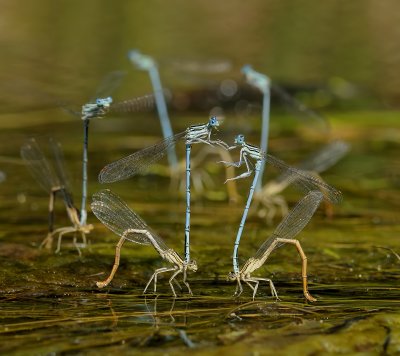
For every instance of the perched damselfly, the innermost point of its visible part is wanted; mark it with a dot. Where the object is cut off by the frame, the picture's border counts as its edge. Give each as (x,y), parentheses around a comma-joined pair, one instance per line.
(114,213)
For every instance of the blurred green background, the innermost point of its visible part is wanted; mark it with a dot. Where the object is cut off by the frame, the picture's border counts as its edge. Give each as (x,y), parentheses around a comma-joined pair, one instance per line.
(63,48)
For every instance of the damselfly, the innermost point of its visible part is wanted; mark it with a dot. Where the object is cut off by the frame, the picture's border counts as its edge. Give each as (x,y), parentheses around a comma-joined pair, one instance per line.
(289,227)
(200,179)
(140,161)
(98,106)
(118,217)
(98,110)
(303,179)
(52,178)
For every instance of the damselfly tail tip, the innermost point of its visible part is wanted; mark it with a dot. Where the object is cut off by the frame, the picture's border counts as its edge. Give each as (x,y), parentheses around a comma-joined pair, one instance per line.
(133,53)
(101,284)
(245,69)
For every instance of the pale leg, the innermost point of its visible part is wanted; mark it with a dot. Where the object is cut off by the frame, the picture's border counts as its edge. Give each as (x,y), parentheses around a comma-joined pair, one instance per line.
(239,288)
(185,281)
(257,282)
(76,245)
(154,276)
(61,232)
(171,279)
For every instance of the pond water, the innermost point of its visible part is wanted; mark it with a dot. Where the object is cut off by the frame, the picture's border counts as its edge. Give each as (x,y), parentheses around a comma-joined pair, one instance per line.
(49,303)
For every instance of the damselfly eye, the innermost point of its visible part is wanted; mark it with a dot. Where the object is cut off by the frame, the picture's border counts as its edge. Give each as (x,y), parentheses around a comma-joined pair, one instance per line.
(239,139)
(213,121)
(104,102)
(193,266)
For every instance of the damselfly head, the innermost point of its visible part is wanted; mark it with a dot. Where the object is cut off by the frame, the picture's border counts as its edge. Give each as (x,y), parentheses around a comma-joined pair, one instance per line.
(239,139)
(96,110)
(213,122)
(104,102)
(231,276)
(86,228)
(192,265)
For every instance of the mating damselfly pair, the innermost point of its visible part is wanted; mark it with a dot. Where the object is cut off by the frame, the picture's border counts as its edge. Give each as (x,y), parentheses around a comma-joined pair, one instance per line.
(116,214)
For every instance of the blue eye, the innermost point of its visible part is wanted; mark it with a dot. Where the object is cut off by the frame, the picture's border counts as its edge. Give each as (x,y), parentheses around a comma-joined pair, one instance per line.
(104,101)
(239,139)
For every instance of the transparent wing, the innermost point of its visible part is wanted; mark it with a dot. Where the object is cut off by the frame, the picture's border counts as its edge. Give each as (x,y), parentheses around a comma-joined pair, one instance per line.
(61,172)
(294,222)
(141,103)
(39,166)
(114,213)
(305,180)
(326,157)
(72,111)
(49,173)
(298,106)
(137,162)
(108,85)
(323,159)
(59,164)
